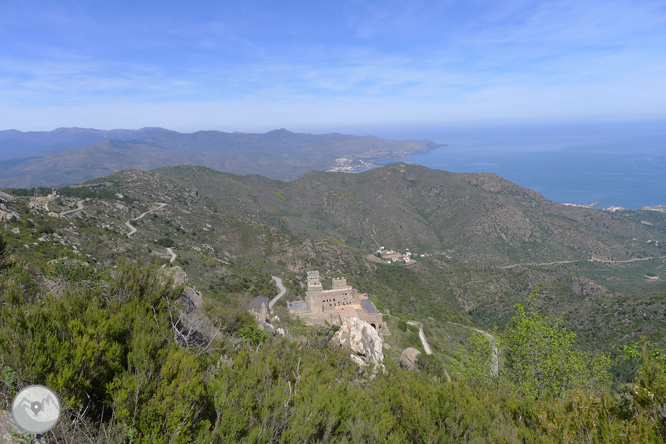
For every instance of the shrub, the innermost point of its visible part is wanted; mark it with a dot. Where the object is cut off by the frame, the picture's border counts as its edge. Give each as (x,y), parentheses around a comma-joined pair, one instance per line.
(165,242)
(253,334)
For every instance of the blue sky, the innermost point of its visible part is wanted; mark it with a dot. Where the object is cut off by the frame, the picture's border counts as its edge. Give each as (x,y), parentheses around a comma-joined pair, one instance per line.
(322,66)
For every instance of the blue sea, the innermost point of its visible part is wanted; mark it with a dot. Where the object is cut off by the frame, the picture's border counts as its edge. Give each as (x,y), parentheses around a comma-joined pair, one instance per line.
(610,163)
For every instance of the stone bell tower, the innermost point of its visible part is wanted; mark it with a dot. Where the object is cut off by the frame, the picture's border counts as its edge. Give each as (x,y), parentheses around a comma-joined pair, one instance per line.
(315,290)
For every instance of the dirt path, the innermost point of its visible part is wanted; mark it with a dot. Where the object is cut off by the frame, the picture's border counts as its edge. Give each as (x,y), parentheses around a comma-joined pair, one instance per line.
(422,337)
(173,255)
(132,228)
(282,289)
(611,262)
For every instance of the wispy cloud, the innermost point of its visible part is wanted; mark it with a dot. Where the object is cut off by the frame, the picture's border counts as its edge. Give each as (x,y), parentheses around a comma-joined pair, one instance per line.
(362,59)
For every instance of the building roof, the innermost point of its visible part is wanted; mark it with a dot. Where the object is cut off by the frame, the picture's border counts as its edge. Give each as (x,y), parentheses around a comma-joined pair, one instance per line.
(346,311)
(368,306)
(298,305)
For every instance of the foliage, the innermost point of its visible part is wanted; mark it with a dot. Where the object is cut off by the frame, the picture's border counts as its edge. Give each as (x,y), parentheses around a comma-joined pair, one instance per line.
(165,242)
(646,396)
(253,334)
(538,358)
(39,191)
(17,284)
(110,354)
(109,351)
(73,271)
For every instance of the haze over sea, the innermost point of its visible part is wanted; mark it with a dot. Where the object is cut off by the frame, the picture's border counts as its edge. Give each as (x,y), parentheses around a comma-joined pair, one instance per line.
(612,163)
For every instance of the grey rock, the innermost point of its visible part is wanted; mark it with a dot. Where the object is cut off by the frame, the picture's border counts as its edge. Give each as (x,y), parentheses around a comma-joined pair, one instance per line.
(361,339)
(267,327)
(179,276)
(409,357)
(259,309)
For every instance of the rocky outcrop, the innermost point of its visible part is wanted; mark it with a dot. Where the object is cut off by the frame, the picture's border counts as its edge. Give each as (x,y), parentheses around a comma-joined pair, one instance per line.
(6,214)
(361,339)
(259,309)
(4,197)
(197,329)
(179,276)
(192,327)
(409,357)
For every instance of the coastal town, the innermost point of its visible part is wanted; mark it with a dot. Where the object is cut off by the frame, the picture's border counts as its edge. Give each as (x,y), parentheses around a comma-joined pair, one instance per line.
(349,165)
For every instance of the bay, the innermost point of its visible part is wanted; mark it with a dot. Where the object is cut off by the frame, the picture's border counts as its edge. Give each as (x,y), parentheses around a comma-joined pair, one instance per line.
(613,163)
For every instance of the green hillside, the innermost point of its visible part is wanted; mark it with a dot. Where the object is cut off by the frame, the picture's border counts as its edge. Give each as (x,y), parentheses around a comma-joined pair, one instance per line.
(92,265)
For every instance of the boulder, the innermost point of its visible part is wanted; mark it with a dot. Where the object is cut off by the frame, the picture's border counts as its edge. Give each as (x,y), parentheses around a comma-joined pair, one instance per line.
(267,327)
(361,339)
(179,276)
(9,216)
(409,357)
(197,328)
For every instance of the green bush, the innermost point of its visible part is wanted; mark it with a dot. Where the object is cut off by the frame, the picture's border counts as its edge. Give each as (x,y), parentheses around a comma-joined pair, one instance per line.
(165,242)
(253,334)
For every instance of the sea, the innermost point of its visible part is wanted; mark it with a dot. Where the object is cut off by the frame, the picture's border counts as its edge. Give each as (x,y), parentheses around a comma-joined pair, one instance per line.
(609,163)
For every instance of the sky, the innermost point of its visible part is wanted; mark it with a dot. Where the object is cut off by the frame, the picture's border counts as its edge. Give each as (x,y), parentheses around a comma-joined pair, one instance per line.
(321,66)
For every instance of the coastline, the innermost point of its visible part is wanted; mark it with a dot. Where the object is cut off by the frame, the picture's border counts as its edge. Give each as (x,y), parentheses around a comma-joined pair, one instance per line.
(591,180)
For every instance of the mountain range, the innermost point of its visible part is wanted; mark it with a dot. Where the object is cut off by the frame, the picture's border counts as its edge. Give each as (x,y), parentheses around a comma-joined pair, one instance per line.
(72,155)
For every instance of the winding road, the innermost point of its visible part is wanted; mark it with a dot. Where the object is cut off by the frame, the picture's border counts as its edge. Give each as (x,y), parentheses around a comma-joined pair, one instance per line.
(282,289)
(79,207)
(133,229)
(422,337)
(603,261)
(173,255)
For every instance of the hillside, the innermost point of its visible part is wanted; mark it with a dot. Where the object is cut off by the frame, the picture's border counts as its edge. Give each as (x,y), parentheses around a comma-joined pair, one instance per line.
(85,288)
(71,155)
(476,218)
(486,242)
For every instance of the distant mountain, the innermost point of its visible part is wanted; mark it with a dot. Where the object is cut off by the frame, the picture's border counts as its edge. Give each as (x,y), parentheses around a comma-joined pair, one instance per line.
(20,145)
(71,155)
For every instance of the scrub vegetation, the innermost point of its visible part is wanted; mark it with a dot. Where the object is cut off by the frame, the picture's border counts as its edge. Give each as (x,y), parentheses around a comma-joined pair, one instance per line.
(109,350)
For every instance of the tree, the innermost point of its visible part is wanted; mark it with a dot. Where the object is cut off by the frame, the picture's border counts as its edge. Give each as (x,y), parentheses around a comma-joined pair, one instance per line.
(647,394)
(538,358)
(165,242)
